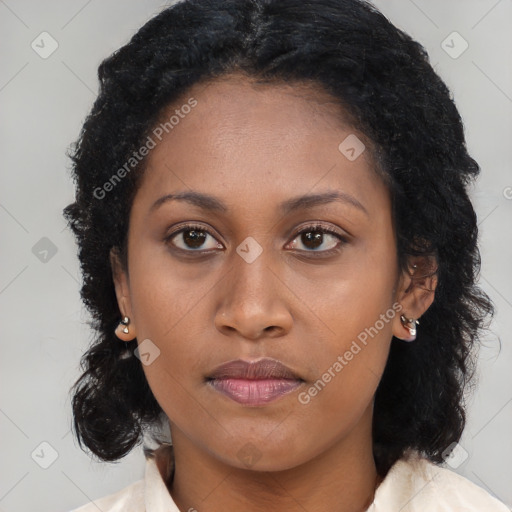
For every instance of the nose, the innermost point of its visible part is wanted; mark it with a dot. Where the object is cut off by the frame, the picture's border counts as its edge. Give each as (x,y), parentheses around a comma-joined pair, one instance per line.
(254,302)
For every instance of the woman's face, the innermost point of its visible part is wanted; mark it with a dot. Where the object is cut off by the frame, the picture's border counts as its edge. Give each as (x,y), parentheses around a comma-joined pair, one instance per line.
(226,275)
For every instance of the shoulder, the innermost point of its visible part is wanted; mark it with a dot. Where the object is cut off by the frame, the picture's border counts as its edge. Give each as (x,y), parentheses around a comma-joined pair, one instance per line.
(456,489)
(150,493)
(415,484)
(129,499)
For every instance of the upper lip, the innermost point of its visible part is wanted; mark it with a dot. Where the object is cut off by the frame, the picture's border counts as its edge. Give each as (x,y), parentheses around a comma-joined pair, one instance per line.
(265,368)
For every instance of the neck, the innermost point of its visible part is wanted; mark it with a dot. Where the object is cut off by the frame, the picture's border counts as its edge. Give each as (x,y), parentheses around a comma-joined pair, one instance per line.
(343,478)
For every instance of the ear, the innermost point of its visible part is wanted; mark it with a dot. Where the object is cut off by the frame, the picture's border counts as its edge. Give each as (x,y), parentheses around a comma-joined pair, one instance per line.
(415,292)
(122,287)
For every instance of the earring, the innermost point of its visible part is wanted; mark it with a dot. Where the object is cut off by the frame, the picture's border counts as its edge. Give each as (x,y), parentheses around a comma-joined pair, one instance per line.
(409,323)
(125,321)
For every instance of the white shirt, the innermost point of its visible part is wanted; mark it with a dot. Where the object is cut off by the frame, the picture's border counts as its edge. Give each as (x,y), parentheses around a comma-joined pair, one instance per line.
(411,485)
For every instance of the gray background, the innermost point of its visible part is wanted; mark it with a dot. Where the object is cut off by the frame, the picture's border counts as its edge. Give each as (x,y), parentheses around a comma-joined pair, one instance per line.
(43,103)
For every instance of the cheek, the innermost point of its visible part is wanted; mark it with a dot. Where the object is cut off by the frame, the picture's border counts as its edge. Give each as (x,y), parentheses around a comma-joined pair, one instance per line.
(354,294)
(173,318)
(163,309)
(357,312)
(164,295)
(169,319)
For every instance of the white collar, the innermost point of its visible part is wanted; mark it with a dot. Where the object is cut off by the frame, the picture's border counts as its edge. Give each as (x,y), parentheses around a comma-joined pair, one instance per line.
(413,484)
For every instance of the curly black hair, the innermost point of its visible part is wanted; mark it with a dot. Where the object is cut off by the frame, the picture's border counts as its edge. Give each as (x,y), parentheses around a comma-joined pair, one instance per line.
(384,81)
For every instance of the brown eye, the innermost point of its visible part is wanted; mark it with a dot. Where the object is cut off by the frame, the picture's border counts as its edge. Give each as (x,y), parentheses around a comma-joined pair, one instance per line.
(193,238)
(318,238)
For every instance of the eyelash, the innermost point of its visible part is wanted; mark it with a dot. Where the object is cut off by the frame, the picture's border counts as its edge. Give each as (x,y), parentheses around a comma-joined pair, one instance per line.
(306,229)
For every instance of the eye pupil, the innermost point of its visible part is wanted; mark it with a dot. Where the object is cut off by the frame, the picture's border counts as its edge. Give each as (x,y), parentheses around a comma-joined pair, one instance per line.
(316,239)
(194,238)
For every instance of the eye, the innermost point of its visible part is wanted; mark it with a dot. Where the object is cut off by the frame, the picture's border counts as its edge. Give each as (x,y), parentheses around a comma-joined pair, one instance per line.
(192,238)
(318,238)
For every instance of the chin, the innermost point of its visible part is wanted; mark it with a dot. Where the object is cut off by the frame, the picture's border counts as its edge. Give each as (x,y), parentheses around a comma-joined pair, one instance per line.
(261,456)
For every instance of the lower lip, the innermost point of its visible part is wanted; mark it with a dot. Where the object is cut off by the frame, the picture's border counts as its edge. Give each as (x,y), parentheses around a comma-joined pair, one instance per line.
(254,392)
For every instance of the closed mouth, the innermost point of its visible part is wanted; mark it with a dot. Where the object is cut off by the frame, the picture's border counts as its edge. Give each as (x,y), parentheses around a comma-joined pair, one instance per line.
(254,383)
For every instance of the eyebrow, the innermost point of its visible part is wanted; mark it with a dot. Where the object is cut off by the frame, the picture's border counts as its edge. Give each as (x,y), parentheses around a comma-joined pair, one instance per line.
(213,204)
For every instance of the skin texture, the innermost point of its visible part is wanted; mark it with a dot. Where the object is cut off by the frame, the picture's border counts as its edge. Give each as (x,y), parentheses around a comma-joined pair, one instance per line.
(254,146)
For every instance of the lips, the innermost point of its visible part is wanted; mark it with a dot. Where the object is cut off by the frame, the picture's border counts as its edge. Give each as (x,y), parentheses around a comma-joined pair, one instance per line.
(254,382)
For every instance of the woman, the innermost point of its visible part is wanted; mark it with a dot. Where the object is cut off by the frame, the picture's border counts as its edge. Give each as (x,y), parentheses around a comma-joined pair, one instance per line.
(280,258)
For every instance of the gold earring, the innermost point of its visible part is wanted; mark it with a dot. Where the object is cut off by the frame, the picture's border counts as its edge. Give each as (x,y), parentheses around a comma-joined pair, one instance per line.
(125,321)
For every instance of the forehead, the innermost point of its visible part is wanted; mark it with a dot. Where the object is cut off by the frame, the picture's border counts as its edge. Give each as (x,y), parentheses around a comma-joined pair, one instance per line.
(245,103)
(251,138)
